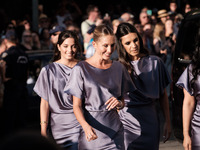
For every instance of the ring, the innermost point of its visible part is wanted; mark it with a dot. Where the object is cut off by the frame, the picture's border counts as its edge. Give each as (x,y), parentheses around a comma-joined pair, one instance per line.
(89,135)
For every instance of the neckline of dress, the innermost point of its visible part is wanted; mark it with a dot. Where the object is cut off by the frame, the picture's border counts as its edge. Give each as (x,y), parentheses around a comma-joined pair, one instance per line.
(99,68)
(64,65)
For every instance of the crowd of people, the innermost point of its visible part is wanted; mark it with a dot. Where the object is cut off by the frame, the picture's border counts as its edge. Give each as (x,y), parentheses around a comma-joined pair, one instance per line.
(96,93)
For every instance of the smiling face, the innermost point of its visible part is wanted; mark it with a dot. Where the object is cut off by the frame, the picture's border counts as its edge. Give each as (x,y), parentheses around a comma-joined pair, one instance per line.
(131,44)
(67,49)
(105,46)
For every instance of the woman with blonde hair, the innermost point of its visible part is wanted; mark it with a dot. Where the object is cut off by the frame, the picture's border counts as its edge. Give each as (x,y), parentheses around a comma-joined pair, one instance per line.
(159,41)
(97,86)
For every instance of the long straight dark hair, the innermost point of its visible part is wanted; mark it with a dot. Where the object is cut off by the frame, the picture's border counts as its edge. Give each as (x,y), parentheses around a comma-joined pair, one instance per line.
(62,37)
(122,30)
(196,60)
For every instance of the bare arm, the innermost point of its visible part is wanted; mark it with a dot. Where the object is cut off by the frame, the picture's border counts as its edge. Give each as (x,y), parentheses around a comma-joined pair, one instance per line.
(3,71)
(44,116)
(188,109)
(165,107)
(78,111)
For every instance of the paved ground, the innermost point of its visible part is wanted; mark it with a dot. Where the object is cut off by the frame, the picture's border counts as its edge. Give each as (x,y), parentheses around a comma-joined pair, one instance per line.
(171,145)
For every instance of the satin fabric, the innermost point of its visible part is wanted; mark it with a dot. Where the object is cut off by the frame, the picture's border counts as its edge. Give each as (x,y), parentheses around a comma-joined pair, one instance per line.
(50,86)
(95,86)
(184,82)
(139,116)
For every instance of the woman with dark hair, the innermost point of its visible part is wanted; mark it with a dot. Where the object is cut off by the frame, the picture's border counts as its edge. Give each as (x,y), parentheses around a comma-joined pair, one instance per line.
(98,84)
(50,87)
(189,81)
(139,116)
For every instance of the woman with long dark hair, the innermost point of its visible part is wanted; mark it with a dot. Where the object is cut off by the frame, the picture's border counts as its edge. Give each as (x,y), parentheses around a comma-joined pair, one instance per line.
(50,87)
(97,86)
(189,81)
(139,116)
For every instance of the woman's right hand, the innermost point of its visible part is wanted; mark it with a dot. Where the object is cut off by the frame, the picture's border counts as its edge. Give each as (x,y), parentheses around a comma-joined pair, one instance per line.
(44,133)
(187,143)
(90,133)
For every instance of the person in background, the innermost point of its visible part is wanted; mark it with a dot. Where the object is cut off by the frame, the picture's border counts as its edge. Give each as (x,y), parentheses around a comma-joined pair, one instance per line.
(45,39)
(177,22)
(14,72)
(187,8)
(163,15)
(115,24)
(159,41)
(148,38)
(139,27)
(36,41)
(173,7)
(54,33)
(2,49)
(189,81)
(50,87)
(97,86)
(43,22)
(27,41)
(92,20)
(139,116)
(144,18)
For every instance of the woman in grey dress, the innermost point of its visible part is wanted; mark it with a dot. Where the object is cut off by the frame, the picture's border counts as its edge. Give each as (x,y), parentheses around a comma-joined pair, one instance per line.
(139,116)
(50,87)
(98,84)
(189,81)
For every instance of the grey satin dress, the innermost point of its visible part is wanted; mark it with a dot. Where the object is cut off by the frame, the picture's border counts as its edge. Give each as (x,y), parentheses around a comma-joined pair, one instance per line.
(95,86)
(139,116)
(50,86)
(184,82)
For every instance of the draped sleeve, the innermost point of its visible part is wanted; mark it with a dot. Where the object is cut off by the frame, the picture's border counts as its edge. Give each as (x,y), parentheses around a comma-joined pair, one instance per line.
(164,77)
(75,84)
(185,79)
(42,84)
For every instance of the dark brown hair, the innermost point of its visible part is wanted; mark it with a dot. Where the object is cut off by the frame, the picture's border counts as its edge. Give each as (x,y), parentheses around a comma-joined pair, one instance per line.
(122,30)
(62,37)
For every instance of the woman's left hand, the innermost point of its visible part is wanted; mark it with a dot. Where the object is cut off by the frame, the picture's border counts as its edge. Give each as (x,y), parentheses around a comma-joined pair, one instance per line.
(112,103)
(167,131)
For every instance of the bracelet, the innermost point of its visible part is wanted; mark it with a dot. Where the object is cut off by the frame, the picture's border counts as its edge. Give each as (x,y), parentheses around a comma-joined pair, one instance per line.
(43,122)
(121,105)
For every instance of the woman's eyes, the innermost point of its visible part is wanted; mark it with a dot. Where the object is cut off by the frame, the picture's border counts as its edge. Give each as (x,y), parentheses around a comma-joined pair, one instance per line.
(105,45)
(112,45)
(135,40)
(73,46)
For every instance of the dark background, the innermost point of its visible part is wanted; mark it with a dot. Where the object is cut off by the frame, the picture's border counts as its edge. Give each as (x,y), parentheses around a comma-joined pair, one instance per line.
(20,9)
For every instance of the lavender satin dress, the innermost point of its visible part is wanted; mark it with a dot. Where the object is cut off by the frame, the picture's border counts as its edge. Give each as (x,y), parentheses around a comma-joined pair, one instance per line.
(139,116)
(95,86)
(184,82)
(50,86)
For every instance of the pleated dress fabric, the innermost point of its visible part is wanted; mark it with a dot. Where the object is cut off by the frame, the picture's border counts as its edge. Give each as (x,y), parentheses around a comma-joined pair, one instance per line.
(50,86)
(95,86)
(184,82)
(139,116)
